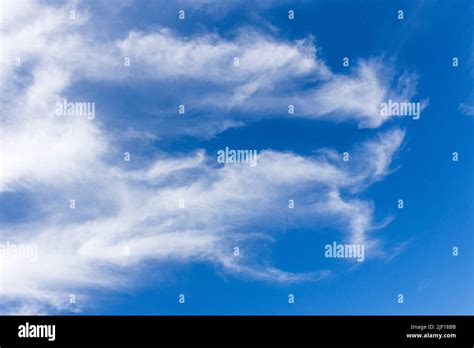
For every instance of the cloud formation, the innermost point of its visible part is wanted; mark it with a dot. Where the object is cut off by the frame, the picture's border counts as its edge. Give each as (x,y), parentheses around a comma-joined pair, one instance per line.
(126,217)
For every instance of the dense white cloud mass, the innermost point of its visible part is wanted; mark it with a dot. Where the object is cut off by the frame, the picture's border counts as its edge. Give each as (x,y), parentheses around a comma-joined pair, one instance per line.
(208,57)
(250,63)
(128,216)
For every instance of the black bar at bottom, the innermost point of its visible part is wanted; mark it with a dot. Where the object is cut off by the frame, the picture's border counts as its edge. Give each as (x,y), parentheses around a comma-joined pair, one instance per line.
(289,330)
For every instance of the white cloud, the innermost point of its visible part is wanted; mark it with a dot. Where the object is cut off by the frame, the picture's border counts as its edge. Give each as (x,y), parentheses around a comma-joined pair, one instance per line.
(56,159)
(261,82)
(37,145)
(267,80)
(223,206)
(356,96)
(467,109)
(209,59)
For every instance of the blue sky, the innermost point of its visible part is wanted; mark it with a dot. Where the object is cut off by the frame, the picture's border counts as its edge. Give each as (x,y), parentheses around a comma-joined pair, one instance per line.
(127,247)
